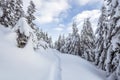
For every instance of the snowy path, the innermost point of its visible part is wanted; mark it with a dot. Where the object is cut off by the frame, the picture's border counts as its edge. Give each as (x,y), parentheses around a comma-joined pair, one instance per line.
(55,71)
(75,68)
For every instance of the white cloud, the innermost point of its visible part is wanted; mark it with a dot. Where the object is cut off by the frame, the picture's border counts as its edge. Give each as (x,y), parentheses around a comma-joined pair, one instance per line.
(85,2)
(79,19)
(51,10)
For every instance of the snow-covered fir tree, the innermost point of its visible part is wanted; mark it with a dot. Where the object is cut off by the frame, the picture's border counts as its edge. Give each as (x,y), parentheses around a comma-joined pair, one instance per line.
(72,43)
(24,32)
(108,44)
(19,12)
(1,8)
(60,42)
(39,33)
(11,9)
(87,41)
(4,20)
(43,36)
(30,14)
(113,10)
(50,43)
(12,12)
(102,41)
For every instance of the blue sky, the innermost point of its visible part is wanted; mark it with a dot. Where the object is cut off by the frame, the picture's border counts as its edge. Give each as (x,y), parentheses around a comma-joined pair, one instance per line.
(55,16)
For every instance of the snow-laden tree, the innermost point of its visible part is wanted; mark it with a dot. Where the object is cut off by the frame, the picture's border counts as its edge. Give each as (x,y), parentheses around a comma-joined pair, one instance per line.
(87,41)
(43,37)
(100,42)
(1,8)
(113,10)
(24,31)
(72,42)
(4,20)
(60,42)
(30,14)
(39,33)
(50,43)
(19,12)
(109,47)
(12,12)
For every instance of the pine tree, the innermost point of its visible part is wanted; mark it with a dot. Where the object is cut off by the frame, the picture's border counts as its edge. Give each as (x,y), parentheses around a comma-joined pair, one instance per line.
(72,43)
(19,12)
(101,39)
(87,41)
(24,32)
(108,44)
(1,8)
(62,42)
(12,12)
(43,37)
(113,37)
(39,35)
(30,17)
(5,16)
(59,43)
(50,43)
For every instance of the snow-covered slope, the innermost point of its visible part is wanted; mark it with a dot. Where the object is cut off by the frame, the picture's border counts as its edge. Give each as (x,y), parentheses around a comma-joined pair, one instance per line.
(24,64)
(76,68)
(44,64)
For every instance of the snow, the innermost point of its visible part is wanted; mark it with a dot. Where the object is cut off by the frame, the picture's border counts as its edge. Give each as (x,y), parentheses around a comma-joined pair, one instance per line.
(23,26)
(44,64)
(76,68)
(24,64)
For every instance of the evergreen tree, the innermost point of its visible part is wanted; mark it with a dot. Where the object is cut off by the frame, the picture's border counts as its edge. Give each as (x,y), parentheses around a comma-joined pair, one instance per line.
(59,43)
(1,8)
(50,42)
(19,12)
(43,37)
(4,20)
(12,12)
(113,37)
(101,39)
(72,43)
(39,35)
(24,32)
(87,41)
(109,42)
(30,16)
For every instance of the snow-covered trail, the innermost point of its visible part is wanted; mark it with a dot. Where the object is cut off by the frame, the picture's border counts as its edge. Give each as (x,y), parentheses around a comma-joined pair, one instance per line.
(76,68)
(50,54)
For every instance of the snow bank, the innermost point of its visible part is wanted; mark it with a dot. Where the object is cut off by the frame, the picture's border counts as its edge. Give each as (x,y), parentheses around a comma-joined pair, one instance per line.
(24,64)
